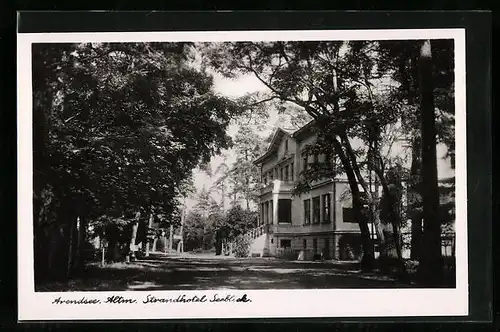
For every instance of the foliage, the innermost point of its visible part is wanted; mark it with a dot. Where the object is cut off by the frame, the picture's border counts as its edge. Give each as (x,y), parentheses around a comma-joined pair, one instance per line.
(238,221)
(241,246)
(118,128)
(201,224)
(399,59)
(124,127)
(207,224)
(240,181)
(244,174)
(193,231)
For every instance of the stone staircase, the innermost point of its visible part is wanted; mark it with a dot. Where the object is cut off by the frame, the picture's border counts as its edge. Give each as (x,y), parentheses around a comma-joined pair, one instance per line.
(259,246)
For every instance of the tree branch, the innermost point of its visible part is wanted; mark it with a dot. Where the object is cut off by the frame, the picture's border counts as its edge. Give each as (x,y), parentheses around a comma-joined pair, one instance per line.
(352,157)
(279,94)
(262,101)
(72,117)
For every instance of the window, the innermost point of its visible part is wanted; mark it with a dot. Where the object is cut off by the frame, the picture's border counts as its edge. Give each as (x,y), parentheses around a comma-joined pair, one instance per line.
(316,158)
(316,210)
(284,211)
(304,244)
(271,175)
(272,211)
(307,211)
(304,162)
(315,246)
(348,215)
(326,249)
(281,178)
(286,173)
(326,208)
(285,243)
(286,145)
(266,212)
(291,172)
(262,213)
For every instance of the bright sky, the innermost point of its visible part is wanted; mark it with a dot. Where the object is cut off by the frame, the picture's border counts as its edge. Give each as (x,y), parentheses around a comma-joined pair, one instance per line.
(230,88)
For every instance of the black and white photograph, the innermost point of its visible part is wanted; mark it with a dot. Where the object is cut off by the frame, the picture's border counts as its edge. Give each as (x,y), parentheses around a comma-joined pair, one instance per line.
(272,168)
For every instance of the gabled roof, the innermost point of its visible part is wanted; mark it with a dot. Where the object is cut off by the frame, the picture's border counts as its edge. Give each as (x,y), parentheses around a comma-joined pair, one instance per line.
(278,134)
(304,129)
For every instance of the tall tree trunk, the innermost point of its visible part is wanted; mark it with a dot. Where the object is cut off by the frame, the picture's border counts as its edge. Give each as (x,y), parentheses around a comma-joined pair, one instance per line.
(430,267)
(376,164)
(170,238)
(392,209)
(368,257)
(71,245)
(223,197)
(150,224)
(133,238)
(181,231)
(351,169)
(371,200)
(165,242)
(399,251)
(414,199)
(60,236)
(379,229)
(408,70)
(247,194)
(42,221)
(112,241)
(103,251)
(82,237)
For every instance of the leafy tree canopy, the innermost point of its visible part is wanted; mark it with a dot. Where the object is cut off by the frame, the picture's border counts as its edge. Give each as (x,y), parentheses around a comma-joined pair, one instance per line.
(120,126)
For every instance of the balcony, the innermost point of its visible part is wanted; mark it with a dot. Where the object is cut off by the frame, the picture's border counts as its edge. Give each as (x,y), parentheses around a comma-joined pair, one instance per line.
(277,186)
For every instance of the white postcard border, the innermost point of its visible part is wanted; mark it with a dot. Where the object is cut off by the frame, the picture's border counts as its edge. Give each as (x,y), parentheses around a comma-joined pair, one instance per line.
(264,303)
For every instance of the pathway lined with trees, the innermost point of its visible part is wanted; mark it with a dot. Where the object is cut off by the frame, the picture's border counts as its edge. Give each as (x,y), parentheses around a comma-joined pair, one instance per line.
(119,128)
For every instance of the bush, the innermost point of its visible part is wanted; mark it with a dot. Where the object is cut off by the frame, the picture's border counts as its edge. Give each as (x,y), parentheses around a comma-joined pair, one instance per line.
(411,266)
(241,246)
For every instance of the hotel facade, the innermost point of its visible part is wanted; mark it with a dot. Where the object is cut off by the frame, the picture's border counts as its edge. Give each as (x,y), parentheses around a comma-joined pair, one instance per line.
(319,223)
(315,224)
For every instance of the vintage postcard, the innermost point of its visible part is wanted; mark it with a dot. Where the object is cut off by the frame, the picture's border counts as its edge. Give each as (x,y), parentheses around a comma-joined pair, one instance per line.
(248,174)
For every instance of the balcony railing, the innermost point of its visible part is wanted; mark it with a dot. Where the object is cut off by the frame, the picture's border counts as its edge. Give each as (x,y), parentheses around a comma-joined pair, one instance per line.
(277,186)
(252,234)
(256,232)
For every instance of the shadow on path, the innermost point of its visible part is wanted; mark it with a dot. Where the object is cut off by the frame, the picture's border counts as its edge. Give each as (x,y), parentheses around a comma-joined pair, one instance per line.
(192,273)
